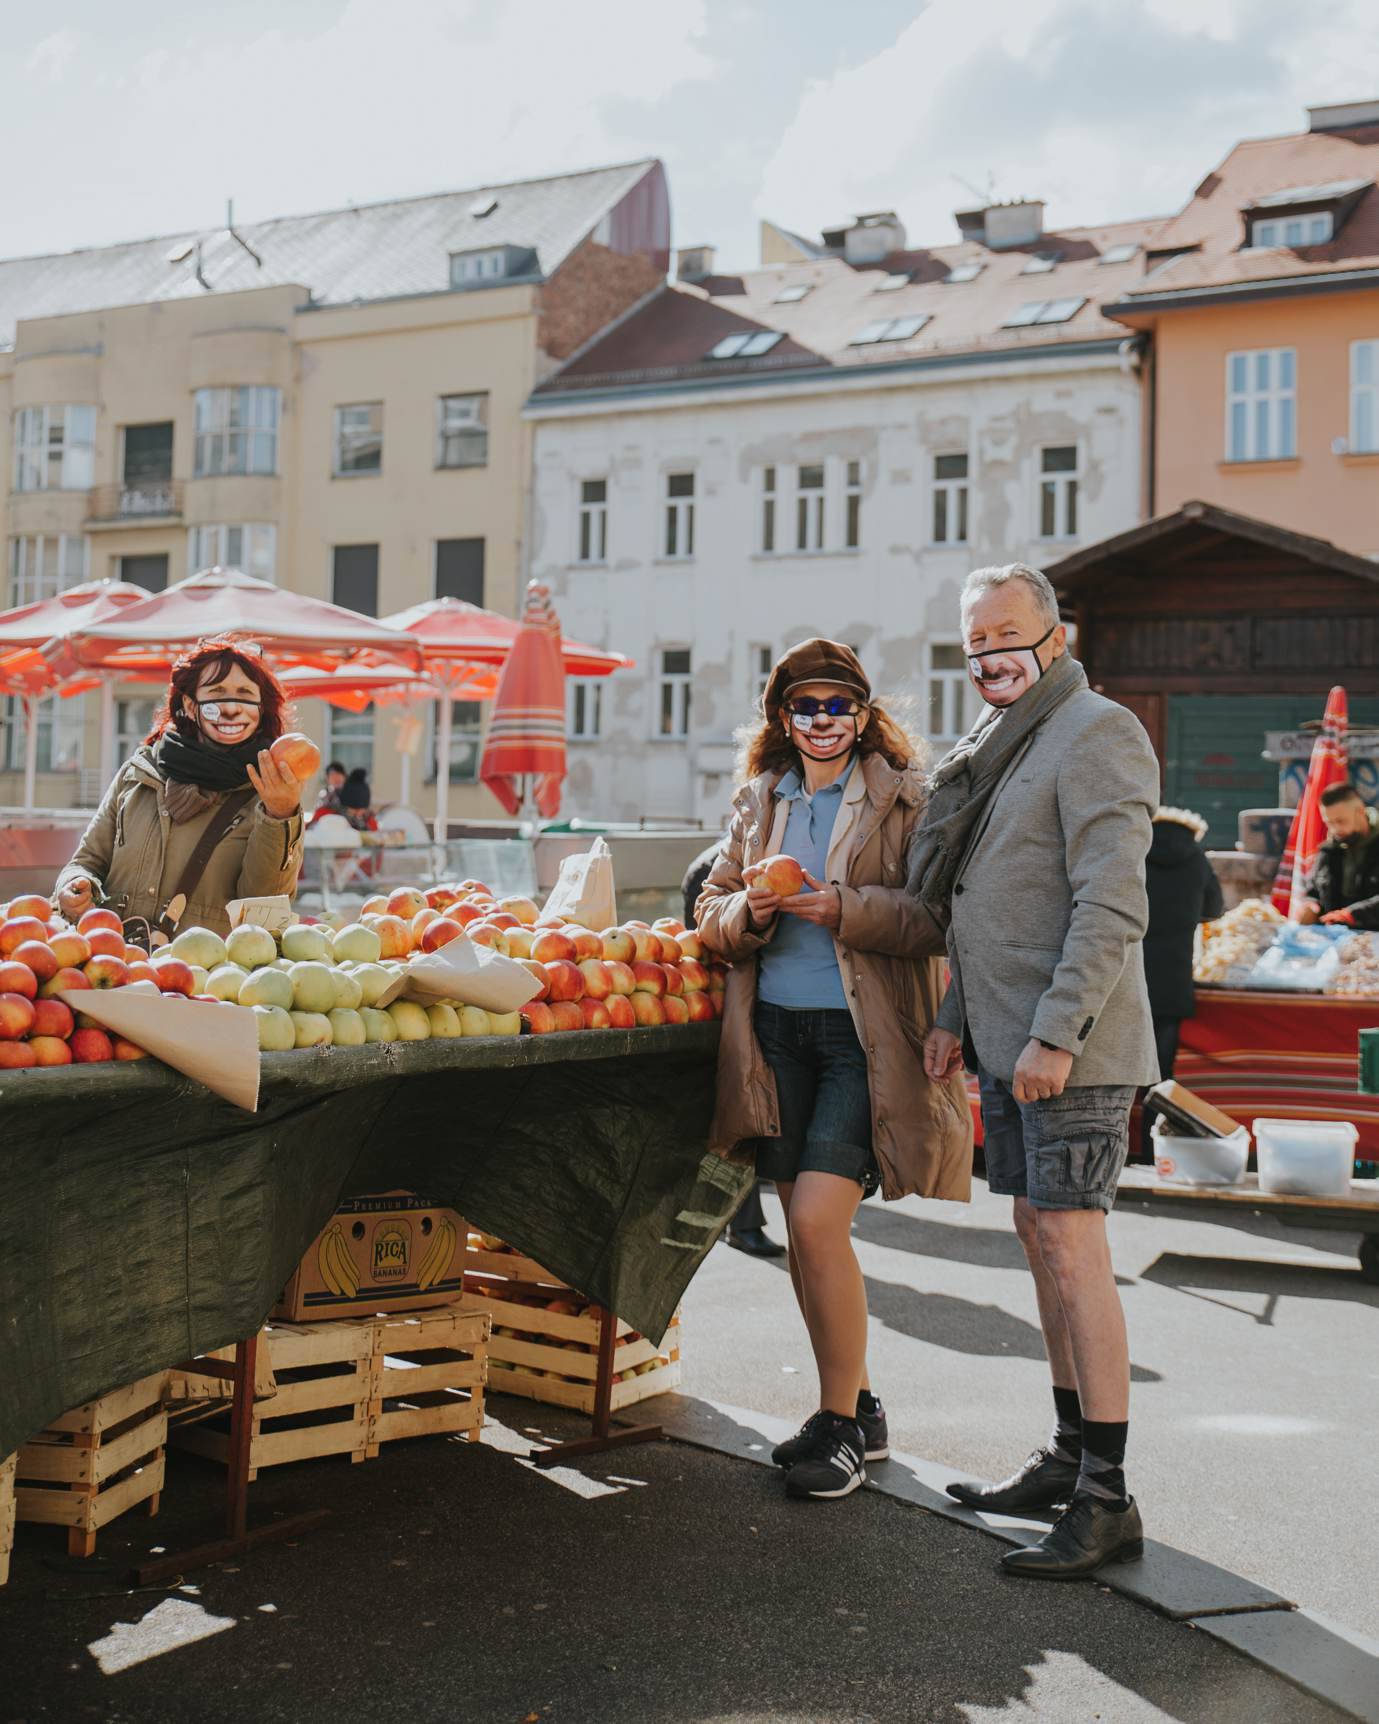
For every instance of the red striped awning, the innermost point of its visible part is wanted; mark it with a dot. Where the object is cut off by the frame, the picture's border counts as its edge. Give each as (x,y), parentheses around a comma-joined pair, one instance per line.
(526,730)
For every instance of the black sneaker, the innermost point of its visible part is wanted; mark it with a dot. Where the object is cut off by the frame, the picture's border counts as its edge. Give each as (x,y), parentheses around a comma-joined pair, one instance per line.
(874,1433)
(835,1463)
(797,1447)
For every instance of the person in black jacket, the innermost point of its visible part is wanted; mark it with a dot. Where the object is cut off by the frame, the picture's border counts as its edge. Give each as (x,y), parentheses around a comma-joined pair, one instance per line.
(747,1229)
(1183,891)
(1344,883)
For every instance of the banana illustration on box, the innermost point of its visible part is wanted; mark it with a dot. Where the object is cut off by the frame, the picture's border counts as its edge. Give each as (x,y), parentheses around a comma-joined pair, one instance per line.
(438,1255)
(336,1265)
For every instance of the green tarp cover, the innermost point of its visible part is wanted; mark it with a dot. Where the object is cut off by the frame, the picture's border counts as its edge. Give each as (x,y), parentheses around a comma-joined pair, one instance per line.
(143,1220)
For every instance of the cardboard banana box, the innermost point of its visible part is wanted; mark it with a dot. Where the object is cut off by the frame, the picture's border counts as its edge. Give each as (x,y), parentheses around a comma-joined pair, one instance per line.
(392,1252)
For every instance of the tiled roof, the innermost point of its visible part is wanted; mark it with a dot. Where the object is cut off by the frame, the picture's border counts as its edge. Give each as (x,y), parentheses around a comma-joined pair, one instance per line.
(1210,230)
(371,251)
(666,341)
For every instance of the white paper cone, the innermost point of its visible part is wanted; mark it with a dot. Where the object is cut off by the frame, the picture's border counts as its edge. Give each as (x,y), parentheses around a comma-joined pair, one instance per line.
(218,1044)
(474,975)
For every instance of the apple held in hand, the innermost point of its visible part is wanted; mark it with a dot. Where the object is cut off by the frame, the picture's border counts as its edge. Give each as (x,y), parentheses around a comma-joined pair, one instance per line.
(784,876)
(297,753)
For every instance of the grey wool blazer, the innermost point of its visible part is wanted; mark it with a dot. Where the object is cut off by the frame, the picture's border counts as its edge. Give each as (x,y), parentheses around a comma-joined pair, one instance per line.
(1049,905)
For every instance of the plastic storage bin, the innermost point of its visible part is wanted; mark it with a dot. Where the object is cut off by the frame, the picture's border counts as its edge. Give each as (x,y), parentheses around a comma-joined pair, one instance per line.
(1306,1157)
(1202,1160)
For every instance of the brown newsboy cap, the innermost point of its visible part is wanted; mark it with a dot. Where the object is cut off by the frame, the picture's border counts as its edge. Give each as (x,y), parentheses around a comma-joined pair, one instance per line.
(815,661)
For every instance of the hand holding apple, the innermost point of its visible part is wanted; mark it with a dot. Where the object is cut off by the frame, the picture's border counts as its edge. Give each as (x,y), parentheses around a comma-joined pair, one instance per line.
(821,904)
(74,900)
(762,902)
(279,788)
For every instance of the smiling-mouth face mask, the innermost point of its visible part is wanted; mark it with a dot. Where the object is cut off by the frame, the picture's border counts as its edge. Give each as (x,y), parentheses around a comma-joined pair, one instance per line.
(1025,657)
(805,712)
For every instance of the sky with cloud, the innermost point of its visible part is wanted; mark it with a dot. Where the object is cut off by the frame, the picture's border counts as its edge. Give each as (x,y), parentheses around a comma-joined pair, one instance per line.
(143,119)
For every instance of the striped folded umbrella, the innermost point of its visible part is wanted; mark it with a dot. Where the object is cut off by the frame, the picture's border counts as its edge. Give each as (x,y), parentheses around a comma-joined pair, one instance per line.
(525,746)
(1329,765)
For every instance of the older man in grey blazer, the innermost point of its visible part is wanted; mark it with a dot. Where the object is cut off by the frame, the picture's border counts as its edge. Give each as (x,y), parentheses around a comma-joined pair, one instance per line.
(1034,850)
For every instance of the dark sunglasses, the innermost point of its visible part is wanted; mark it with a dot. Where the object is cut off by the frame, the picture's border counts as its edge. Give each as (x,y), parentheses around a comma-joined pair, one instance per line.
(807,706)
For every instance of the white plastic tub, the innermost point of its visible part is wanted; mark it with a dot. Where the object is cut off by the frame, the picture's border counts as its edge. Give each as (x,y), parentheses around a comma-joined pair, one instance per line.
(1201,1160)
(1306,1157)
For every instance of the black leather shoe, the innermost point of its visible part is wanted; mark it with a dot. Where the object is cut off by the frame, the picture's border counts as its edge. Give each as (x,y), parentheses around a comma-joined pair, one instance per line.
(1083,1539)
(1043,1482)
(754,1242)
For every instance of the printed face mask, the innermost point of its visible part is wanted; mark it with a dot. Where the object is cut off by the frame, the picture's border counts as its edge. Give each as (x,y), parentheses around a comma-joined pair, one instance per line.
(1002,674)
(830,747)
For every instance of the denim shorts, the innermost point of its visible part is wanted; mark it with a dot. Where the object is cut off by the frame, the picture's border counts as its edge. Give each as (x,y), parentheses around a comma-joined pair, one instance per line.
(823,1094)
(1065,1152)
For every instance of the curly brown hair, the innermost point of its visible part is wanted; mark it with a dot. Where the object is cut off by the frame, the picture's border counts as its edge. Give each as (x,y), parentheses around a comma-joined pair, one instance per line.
(222,653)
(763,745)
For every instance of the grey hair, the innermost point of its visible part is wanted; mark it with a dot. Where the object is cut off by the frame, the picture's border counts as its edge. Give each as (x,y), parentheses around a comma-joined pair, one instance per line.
(982,581)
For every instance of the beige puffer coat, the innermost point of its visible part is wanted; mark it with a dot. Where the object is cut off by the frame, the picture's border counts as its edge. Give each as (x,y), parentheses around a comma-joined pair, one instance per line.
(888,953)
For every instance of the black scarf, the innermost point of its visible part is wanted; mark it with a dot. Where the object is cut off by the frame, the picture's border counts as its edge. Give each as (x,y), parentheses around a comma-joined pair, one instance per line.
(207,765)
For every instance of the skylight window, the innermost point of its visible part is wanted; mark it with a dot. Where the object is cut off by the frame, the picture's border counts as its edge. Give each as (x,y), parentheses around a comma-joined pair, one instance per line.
(1118,253)
(1040,263)
(789,295)
(483,206)
(889,329)
(892,282)
(745,344)
(1044,311)
(965,272)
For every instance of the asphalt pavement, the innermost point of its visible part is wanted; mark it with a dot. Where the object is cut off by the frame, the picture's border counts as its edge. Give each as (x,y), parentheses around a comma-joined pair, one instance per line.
(1255,1355)
(661,1584)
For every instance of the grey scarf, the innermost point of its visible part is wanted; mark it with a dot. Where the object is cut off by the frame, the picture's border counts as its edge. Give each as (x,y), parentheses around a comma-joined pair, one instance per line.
(962,783)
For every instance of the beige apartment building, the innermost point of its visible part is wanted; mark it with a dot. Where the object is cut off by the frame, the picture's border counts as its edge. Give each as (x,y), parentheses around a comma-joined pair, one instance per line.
(332,402)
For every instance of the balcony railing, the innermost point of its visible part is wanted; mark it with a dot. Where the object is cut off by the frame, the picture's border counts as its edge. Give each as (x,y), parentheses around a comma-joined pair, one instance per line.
(155,500)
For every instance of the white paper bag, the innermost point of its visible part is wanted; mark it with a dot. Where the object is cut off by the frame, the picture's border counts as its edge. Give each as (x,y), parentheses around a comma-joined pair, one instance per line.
(584,893)
(472,974)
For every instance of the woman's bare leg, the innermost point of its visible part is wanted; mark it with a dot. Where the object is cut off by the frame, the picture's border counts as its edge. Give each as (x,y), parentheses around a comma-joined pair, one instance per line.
(828,1283)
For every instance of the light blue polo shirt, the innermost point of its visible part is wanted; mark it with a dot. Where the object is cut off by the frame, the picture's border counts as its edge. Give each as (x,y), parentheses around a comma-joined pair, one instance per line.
(798,968)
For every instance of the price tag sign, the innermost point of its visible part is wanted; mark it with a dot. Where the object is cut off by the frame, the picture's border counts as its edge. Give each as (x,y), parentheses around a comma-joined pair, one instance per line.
(274,913)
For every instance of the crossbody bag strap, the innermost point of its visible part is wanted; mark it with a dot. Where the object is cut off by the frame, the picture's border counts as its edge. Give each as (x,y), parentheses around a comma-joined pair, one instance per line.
(216,827)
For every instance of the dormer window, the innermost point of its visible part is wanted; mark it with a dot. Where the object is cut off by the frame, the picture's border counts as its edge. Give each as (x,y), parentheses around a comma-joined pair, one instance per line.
(745,344)
(488,264)
(1313,229)
(1301,215)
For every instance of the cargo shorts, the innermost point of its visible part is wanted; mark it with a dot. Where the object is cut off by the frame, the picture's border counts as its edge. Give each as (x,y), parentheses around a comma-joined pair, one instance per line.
(1065,1152)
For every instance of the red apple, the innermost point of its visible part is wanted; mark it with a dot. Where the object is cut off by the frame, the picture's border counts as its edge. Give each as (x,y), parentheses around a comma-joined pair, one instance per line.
(621,976)
(621,1014)
(716,1001)
(648,978)
(700,1007)
(61,980)
(16,1054)
(17,929)
(36,955)
(670,947)
(173,975)
(52,1018)
(693,975)
(675,1009)
(16,1016)
(298,753)
(667,924)
(128,1050)
(537,1019)
(135,955)
(30,904)
(648,945)
(107,972)
(598,983)
(636,922)
(477,887)
(140,970)
(485,934)
(539,971)
(503,919)
(523,908)
(564,981)
(90,1047)
(374,906)
(17,978)
(394,935)
(421,922)
(552,946)
(675,982)
(691,946)
(647,1009)
(596,1014)
(567,1015)
(441,897)
(464,912)
(93,919)
(404,902)
(784,876)
(440,931)
(70,949)
(50,1051)
(618,945)
(587,943)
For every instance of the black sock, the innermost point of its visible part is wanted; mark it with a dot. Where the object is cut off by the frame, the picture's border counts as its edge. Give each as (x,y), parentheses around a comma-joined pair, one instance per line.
(1103,1463)
(868,1403)
(1066,1441)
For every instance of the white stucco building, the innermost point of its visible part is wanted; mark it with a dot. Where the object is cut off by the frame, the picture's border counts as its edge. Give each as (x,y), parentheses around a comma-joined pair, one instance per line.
(823,446)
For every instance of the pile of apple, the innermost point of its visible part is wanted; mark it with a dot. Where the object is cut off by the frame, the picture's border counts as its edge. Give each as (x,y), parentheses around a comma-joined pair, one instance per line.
(635,975)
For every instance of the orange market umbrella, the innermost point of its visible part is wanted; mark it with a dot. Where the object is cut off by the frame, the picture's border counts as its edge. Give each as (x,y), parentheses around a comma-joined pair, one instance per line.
(525,746)
(1328,766)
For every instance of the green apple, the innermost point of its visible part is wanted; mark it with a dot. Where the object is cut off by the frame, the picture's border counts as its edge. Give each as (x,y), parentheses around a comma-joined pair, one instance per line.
(250,946)
(378,1026)
(281,964)
(305,944)
(505,1023)
(372,980)
(268,987)
(348,993)
(412,1023)
(444,1021)
(199,946)
(225,982)
(200,976)
(474,1021)
(313,987)
(357,943)
(311,1029)
(277,1032)
(347,1028)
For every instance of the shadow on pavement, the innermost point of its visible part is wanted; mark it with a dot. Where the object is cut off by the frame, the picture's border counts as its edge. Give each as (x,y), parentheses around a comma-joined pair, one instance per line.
(987,1247)
(1273,1280)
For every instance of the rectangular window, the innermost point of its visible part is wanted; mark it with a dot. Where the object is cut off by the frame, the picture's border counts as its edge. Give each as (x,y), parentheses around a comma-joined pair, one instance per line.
(760,658)
(42,567)
(466,722)
(768,509)
(54,448)
(852,497)
(358,439)
(584,708)
(462,431)
(467,267)
(236,431)
(673,705)
(251,546)
(950,500)
(1314,229)
(146,461)
(354,578)
(593,521)
(58,725)
(133,721)
(460,570)
(1261,404)
(947,676)
(149,572)
(350,738)
(1364,397)
(1058,492)
(679,539)
(809,508)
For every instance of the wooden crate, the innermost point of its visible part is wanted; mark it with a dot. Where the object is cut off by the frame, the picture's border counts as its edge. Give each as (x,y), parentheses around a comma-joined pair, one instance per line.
(6,1515)
(94,1463)
(432,1368)
(552,1356)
